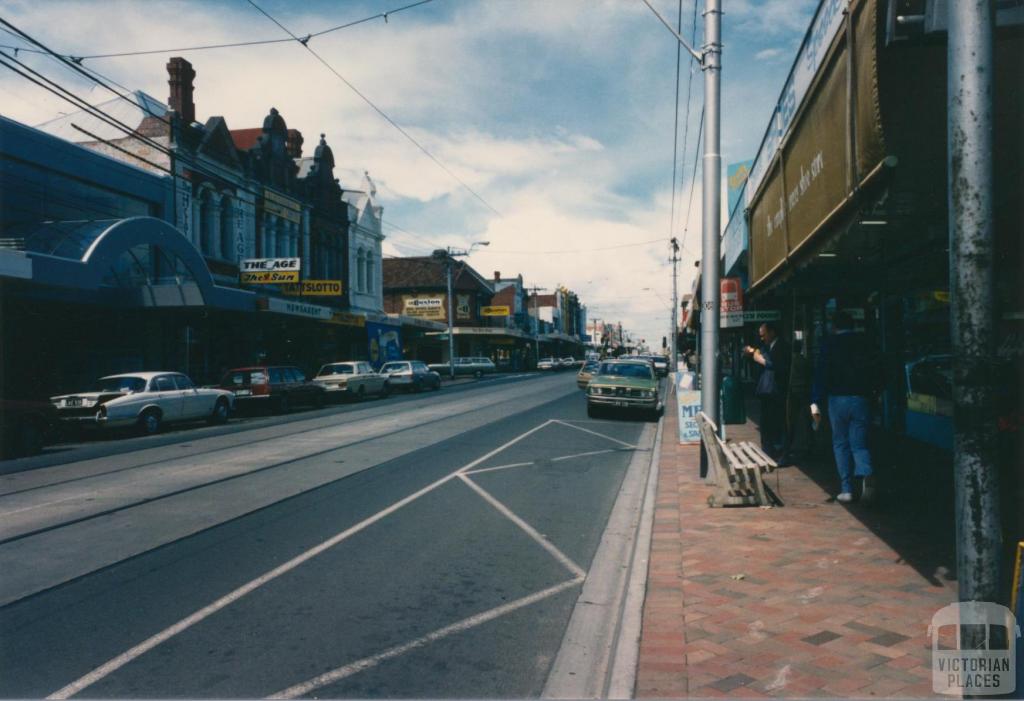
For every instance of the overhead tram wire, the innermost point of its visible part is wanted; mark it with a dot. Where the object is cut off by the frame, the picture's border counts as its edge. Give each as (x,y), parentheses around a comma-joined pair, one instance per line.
(693,180)
(588,249)
(377,109)
(675,130)
(239,44)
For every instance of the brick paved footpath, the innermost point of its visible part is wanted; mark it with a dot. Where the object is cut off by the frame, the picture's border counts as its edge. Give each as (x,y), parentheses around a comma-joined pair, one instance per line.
(810,599)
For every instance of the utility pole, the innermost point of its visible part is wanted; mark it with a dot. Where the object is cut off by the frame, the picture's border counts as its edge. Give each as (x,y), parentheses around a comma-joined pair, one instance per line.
(536,318)
(448,255)
(710,60)
(675,308)
(969,84)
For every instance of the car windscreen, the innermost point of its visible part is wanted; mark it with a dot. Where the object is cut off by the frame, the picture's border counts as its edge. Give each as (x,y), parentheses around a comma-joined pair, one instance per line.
(394,367)
(591,366)
(120,384)
(626,370)
(336,370)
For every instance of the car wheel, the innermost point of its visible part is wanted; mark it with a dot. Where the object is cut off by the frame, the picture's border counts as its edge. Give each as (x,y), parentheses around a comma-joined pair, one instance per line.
(478,374)
(284,405)
(150,422)
(593,412)
(361,393)
(318,400)
(385,390)
(220,412)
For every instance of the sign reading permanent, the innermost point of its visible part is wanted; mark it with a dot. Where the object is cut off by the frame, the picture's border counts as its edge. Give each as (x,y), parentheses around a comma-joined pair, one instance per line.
(494,311)
(423,307)
(268,271)
(314,288)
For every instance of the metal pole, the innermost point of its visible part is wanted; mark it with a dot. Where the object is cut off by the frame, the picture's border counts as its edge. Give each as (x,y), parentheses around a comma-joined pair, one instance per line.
(969,82)
(711,243)
(675,308)
(451,323)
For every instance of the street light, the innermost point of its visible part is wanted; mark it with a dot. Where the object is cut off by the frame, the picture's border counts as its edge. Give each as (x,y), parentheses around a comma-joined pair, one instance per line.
(446,255)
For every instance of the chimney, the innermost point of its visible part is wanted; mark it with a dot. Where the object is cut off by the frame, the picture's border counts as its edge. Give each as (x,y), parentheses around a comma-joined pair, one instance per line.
(293,144)
(497,276)
(181,77)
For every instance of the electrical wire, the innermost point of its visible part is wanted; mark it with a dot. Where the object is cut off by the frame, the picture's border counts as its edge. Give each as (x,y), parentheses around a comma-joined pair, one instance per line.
(258,42)
(377,109)
(675,129)
(586,250)
(693,181)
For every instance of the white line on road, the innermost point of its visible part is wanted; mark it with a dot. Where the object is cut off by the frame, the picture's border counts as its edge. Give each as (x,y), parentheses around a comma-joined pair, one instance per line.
(583,455)
(500,467)
(124,658)
(595,433)
(525,527)
(348,670)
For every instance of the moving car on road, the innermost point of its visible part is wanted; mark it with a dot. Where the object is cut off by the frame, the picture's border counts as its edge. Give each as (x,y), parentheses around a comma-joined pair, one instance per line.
(586,373)
(474,366)
(412,375)
(631,385)
(276,387)
(146,400)
(548,364)
(352,378)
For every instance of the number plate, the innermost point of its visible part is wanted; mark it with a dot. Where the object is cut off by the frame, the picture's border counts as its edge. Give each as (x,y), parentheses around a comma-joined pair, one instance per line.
(243,392)
(621,403)
(73,402)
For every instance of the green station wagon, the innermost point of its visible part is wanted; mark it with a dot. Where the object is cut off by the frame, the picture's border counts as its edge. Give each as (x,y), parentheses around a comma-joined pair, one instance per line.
(624,384)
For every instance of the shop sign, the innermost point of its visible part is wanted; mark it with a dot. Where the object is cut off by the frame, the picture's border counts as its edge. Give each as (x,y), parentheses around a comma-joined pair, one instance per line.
(689,405)
(310,311)
(423,307)
(462,309)
(495,311)
(314,288)
(761,315)
(281,206)
(348,319)
(731,304)
(268,271)
(736,178)
(385,343)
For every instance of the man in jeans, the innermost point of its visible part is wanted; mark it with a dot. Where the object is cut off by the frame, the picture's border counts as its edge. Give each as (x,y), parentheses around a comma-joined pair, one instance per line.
(845,376)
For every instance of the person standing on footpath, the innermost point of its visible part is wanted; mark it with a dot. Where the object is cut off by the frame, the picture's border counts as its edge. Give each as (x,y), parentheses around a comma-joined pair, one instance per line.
(846,377)
(773,357)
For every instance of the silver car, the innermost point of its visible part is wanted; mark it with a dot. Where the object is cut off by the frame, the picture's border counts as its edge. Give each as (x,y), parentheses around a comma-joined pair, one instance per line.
(411,375)
(146,400)
(352,378)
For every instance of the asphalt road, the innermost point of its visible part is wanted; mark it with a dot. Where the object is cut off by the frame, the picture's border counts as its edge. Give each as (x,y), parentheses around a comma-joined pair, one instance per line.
(430,546)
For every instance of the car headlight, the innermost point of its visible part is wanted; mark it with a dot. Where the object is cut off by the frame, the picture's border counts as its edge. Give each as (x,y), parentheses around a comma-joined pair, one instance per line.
(592,390)
(647,394)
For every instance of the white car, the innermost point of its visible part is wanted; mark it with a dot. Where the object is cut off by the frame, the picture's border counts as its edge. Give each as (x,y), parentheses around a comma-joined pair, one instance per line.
(146,400)
(548,364)
(352,378)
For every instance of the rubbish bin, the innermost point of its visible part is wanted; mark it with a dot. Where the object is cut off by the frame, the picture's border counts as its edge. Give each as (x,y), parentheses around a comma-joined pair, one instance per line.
(734,410)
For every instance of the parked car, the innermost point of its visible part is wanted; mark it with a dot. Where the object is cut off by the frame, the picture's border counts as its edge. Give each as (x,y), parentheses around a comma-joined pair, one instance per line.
(548,364)
(660,364)
(630,385)
(352,379)
(275,387)
(474,366)
(569,362)
(412,375)
(586,372)
(26,426)
(146,400)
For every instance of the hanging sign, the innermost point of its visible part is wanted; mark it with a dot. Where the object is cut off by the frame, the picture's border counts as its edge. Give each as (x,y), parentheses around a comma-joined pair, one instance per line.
(264,271)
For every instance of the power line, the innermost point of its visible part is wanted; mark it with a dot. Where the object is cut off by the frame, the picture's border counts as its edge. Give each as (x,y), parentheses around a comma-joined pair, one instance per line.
(585,250)
(257,42)
(675,129)
(693,181)
(377,109)
(686,119)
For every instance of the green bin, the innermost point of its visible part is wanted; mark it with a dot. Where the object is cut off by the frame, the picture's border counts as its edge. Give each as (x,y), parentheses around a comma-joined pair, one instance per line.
(734,410)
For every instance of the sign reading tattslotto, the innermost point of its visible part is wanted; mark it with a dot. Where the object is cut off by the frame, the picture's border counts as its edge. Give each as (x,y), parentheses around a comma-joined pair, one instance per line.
(268,271)
(425,307)
(314,288)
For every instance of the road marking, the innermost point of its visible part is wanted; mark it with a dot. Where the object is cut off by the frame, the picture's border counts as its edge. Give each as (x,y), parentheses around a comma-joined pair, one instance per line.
(500,467)
(583,455)
(525,527)
(184,624)
(305,688)
(595,433)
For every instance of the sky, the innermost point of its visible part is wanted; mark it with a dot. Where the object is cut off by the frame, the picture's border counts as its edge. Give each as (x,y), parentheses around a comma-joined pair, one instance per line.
(550,122)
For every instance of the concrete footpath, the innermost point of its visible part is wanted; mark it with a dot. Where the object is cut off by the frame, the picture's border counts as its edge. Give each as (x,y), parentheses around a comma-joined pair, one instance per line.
(811,599)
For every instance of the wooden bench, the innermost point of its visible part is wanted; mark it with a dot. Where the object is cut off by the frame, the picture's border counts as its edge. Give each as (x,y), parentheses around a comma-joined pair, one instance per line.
(738,469)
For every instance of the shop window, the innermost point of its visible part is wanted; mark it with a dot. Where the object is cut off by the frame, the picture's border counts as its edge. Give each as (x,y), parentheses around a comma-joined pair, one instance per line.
(369,272)
(361,270)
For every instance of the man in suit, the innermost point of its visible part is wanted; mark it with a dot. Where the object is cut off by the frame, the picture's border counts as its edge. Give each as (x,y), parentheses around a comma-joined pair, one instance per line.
(773,357)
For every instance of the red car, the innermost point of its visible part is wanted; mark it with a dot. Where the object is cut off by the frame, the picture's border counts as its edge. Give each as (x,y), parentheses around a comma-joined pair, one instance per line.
(277,387)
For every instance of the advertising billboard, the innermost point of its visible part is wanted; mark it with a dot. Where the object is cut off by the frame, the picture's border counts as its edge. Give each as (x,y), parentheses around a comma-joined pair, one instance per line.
(268,271)
(385,343)
(424,306)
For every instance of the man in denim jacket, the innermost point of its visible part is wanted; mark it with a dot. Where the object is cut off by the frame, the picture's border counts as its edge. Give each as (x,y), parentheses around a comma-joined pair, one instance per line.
(845,377)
